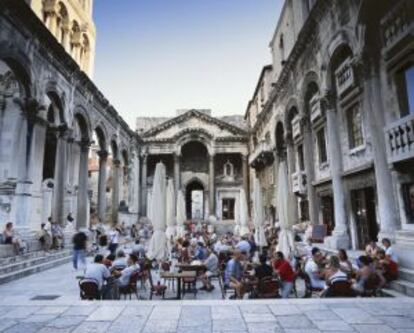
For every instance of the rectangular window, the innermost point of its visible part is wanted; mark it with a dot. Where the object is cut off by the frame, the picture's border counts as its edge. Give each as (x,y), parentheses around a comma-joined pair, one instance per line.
(355,134)
(228,209)
(320,137)
(301,160)
(405,91)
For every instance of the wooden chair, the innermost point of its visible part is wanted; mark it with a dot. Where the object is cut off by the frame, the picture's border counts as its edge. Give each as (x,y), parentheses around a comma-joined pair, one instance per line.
(89,289)
(131,288)
(268,288)
(157,290)
(339,289)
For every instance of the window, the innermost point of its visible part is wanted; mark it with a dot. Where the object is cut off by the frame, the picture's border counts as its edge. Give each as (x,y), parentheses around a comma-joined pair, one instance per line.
(408,194)
(228,209)
(301,160)
(355,134)
(405,88)
(320,138)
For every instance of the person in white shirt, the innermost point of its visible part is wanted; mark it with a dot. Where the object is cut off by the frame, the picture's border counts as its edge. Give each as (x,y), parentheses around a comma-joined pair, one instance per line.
(97,271)
(133,267)
(211,264)
(120,262)
(313,271)
(244,246)
(389,251)
(113,239)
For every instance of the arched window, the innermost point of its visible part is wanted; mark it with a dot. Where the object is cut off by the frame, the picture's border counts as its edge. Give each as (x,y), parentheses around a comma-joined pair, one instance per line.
(228,169)
(62,24)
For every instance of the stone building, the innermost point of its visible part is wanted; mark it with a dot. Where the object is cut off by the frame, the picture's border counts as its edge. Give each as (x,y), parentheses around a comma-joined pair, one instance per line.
(337,105)
(51,114)
(71,22)
(206,156)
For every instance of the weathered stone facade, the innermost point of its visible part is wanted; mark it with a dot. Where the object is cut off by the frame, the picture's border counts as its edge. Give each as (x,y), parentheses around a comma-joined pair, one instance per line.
(201,153)
(340,111)
(50,115)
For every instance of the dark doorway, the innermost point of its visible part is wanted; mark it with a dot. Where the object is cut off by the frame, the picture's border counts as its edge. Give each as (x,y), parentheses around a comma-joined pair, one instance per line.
(228,209)
(363,207)
(49,154)
(328,213)
(194,199)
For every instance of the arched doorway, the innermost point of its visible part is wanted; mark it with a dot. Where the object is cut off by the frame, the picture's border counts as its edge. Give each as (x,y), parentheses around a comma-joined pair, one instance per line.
(194,200)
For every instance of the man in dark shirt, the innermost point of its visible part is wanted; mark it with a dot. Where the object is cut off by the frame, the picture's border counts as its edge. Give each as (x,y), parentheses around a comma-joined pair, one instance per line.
(79,248)
(263,270)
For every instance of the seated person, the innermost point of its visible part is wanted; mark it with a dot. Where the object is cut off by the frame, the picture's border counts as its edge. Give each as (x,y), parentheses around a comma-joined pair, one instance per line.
(286,274)
(313,270)
(133,267)
(98,272)
(10,237)
(333,272)
(233,274)
(185,252)
(44,237)
(365,273)
(371,249)
(244,245)
(200,252)
(211,264)
(138,249)
(389,251)
(120,262)
(263,270)
(110,258)
(345,264)
(387,266)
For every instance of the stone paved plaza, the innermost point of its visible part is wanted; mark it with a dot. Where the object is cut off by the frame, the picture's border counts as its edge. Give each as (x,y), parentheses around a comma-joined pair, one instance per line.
(311,315)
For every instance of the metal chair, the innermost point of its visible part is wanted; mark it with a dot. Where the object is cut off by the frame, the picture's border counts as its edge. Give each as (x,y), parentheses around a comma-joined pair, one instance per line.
(89,289)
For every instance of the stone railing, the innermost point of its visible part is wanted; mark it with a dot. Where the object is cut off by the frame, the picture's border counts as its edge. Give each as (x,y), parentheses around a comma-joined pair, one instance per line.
(399,137)
(296,129)
(397,23)
(315,108)
(299,182)
(344,76)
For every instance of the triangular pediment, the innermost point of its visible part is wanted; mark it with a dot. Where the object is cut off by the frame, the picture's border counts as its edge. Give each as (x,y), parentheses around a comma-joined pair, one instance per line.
(193,120)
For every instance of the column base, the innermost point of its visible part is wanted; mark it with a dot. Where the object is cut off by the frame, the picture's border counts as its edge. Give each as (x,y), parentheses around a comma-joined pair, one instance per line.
(337,241)
(390,234)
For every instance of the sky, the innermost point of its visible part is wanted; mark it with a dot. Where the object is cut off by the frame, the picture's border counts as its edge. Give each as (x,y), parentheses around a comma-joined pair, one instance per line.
(156,56)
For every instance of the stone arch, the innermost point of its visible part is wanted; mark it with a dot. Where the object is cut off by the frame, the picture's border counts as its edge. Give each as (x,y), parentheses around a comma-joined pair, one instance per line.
(201,136)
(339,55)
(310,80)
(82,123)
(280,140)
(80,113)
(55,108)
(102,137)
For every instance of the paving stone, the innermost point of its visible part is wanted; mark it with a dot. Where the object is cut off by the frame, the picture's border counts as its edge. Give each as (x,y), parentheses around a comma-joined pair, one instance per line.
(126,324)
(302,330)
(20,312)
(295,321)
(24,328)
(39,318)
(284,310)
(373,328)
(79,310)
(160,326)
(268,327)
(6,323)
(312,307)
(48,329)
(356,316)
(166,312)
(192,329)
(92,327)
(225,312)
(67,321)
(222,325)
(47,310)
(257,318)
(105,313)
(140,311)
(398,321)
(254,309)
(318,315)
(333,325)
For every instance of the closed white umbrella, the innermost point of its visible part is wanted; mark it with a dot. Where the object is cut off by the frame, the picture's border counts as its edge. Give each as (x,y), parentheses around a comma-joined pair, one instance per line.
(236,230)
(285,207)
(258,218)
(157,248)
(170,210)
(181,214)
(244,214)
(149,205)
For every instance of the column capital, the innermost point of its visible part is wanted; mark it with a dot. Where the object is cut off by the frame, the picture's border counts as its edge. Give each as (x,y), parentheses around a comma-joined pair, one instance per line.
(29,106)
(84,145)
(328,101)
(116,162)
(103,154)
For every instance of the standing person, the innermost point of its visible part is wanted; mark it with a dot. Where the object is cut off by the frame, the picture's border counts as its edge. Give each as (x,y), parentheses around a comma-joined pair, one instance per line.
(133,232)
(286,274)
(79,248)
(113,239)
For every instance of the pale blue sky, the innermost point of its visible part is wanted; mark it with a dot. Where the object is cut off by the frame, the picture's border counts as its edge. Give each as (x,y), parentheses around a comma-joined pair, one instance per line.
(156,56)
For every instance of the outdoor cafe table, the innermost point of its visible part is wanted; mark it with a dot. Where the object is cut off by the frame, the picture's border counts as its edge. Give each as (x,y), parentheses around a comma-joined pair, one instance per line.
(192,268)
(178,276)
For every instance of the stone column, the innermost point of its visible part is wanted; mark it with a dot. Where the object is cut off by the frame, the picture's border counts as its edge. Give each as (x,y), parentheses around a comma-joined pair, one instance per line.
(177,173)
(340,237)
(51,21)
(83,200)
(116,164)
(245,166)
(66,38)
(144,194)
(309,170)
(134,186)
(373,102)
(60,176)
(103,158)
(212,200)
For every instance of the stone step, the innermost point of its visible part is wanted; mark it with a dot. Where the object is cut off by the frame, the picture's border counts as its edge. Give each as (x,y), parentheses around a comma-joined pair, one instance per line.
(404,287)
(22,264)
(22,257)
(8,277)
(387,292)
(406,274)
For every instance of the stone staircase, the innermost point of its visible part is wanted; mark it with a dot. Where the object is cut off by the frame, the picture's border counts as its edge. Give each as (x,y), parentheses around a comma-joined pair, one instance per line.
(17,267)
